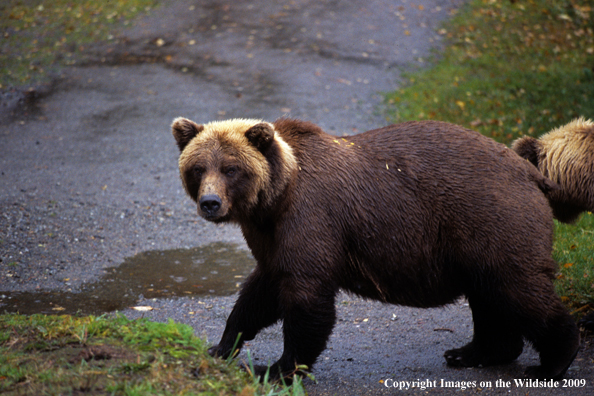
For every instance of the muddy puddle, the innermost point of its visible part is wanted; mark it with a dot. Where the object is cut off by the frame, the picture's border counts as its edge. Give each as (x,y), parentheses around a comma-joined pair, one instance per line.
(215,270)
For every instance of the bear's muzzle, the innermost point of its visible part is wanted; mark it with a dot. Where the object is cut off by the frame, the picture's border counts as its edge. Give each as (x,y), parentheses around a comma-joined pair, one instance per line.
(210,204)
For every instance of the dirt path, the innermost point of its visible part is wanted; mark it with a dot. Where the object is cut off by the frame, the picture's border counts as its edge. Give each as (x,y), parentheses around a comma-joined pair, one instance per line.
(88,171)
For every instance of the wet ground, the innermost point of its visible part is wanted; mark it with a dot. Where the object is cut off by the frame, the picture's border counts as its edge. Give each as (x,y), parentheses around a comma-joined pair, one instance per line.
(217,269)
(93,215)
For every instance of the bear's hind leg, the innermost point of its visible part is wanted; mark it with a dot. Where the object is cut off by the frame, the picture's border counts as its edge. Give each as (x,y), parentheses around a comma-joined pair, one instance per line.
(533,308)
(555,336)
(496,340)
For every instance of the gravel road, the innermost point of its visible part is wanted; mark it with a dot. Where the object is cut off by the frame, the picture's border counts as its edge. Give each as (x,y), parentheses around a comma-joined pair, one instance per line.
(89,179)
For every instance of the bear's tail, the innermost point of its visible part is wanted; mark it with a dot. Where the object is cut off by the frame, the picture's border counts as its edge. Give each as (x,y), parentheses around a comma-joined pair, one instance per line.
(566,156)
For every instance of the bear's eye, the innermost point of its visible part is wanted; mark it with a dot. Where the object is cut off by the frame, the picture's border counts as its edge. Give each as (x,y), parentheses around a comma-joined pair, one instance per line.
(198,171)
(230,170)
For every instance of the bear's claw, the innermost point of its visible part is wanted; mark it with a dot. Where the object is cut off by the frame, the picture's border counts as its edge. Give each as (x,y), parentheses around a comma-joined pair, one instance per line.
(216,351)
(460,358)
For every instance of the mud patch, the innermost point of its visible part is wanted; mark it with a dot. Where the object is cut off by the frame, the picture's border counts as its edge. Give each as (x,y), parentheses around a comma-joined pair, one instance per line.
(217,269)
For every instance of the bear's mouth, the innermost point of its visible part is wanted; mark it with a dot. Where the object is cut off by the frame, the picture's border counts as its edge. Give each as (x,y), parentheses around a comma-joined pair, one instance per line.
(217,217)
(217,220)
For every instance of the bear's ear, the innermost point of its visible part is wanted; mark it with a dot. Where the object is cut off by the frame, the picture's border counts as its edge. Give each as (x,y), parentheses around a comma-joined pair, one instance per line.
(528,148)
(184,130)
(261,136)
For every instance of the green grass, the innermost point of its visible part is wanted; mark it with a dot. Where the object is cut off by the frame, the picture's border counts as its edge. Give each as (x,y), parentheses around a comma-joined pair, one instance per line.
(39,37)
(509,70)
(42,354)
(574,251)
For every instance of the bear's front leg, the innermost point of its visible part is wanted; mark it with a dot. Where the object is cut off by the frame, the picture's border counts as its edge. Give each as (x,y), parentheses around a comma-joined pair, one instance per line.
(307,324)
(255,309)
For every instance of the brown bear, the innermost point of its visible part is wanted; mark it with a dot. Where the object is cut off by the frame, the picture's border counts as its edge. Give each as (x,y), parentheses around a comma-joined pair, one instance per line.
(566,156)
(417,214)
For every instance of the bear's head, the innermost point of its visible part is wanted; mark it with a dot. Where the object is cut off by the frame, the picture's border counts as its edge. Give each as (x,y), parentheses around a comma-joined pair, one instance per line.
(566,156)
(231,167)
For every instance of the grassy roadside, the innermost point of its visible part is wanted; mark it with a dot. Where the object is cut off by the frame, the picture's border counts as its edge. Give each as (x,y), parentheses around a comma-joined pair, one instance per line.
(509,69)
(39,37)
(512,69)
(42,354)
(574,251)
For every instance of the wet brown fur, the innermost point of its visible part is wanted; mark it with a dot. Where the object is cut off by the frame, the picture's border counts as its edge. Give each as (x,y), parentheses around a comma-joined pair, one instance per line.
(417,214)
(566,156)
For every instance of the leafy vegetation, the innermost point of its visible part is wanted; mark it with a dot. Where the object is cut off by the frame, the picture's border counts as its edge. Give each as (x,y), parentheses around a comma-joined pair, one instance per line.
(42,354)
(38,36)
(574,251)
(512,69)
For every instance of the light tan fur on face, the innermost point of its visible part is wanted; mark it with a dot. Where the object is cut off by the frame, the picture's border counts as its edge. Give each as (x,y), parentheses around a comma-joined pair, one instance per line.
(228,137)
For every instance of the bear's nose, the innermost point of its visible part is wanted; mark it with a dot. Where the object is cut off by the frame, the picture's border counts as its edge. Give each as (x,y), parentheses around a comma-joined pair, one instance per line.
(210,204)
